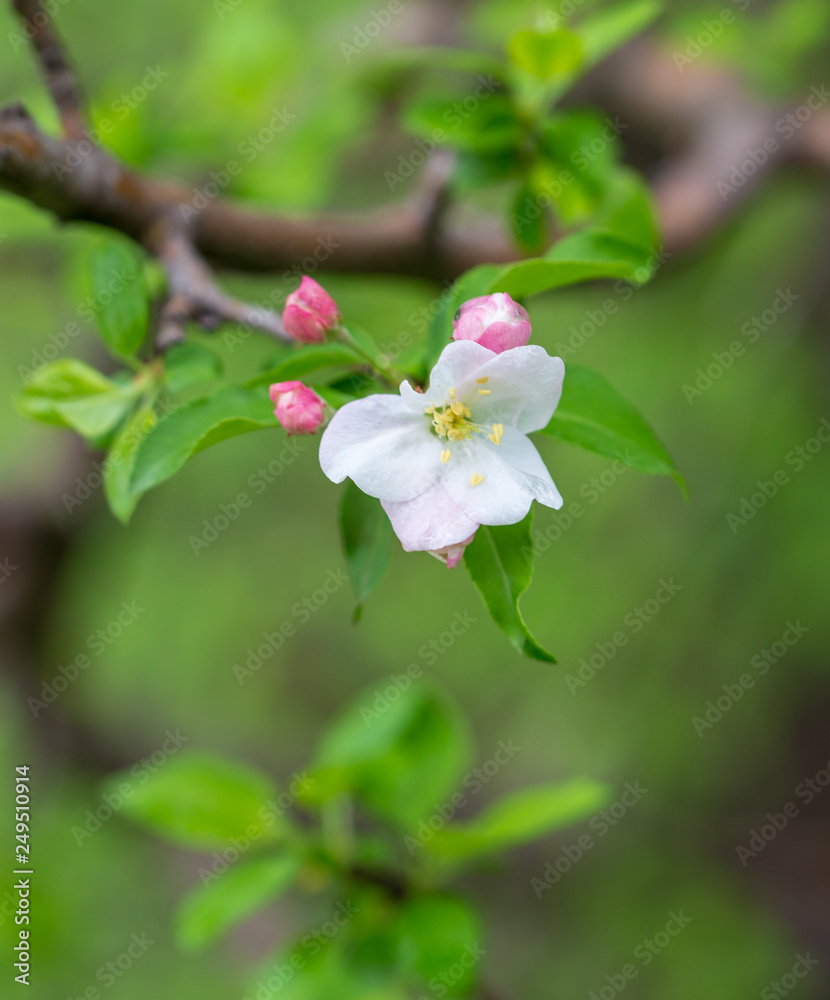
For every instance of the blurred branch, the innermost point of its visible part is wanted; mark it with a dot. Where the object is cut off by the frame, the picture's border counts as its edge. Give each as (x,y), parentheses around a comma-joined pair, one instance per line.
(54,66)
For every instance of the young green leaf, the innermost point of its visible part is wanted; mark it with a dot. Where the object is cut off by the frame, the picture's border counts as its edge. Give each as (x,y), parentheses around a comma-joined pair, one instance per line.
(529,220)
(500,562)
(520,818)
(188,364)
(609,29)
(197,425)
(211,910)
(489,125)
(436,933)
(119,296)
(297,363)
(201,801)
(477,281)
(400,757)
(367,541)
(546,54)
(593,415)
(628,211)
(120,461)
(71,394)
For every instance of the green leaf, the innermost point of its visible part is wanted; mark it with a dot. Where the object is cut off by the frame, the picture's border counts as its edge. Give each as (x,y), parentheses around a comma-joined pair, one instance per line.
(528,220)
(211,910)
(520,818)
(593,415)
(71,394)
(487,125)
(609,29)
(434,57)
(477,281)
(437,933)
(201,801)
(195,426)
(367,541)
(399,754)
(628,211)
(295,364)
(188,364)
(120,462)
(546,54)
(119,295)
(500,562)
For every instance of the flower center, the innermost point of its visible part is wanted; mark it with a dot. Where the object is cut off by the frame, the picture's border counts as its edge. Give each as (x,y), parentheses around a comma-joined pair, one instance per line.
(453,422)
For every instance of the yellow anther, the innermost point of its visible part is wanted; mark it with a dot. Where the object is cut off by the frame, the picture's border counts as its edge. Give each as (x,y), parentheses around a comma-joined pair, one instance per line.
(483,379)
(484,392)
(477,478)
(446,455)
(497,432)
(452,392)
(430,409)
(457,407)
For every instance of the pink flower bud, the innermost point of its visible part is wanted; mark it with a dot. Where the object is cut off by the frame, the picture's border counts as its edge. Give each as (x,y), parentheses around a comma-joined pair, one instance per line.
(310,312)
(452,554)
(494,321)
(297,407)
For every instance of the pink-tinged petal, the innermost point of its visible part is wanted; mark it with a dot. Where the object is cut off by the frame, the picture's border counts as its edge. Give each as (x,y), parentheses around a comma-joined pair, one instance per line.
(524,385)
(494,321)
(297,407)
(430,521)
(452,555)
(385,448)
(310,312)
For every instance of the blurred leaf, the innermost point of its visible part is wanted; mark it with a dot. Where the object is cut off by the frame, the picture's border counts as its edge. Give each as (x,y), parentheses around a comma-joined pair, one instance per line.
(439,933)
(366,533)
(401,748)
(483,124)
(120,461)
(529,220)
(500,562)
(611,28)
(628,210)
(235,895)
(71,394)
(188,364)
(119,294)
(546,54)
(296,363)
(520,818)
(435,57)
(201,801)
(195,426)
(593,415)
(477,281)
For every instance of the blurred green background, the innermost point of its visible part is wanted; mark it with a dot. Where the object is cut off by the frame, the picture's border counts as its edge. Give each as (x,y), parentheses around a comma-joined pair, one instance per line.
(172,669)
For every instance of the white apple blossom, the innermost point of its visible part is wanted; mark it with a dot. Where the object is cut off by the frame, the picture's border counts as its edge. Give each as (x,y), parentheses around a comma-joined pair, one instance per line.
(456,456)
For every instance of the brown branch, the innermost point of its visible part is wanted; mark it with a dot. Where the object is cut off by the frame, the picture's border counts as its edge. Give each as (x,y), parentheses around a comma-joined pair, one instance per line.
(54,66)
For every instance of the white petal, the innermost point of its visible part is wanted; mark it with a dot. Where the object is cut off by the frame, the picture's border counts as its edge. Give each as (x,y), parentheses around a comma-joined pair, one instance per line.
(520,452)
(525,385)
(458,368)
(385,448)
(430,521)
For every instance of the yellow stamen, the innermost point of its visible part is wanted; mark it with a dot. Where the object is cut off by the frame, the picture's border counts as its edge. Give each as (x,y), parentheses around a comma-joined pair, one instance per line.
(477,478)
(483,379)
(484,392)
(452,392)
(457,407)
(497,432)
(446,455)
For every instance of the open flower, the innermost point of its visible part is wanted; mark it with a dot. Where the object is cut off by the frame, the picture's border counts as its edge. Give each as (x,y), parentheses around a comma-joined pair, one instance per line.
(310,312)
(456,456)
(494,321)
(297,407)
